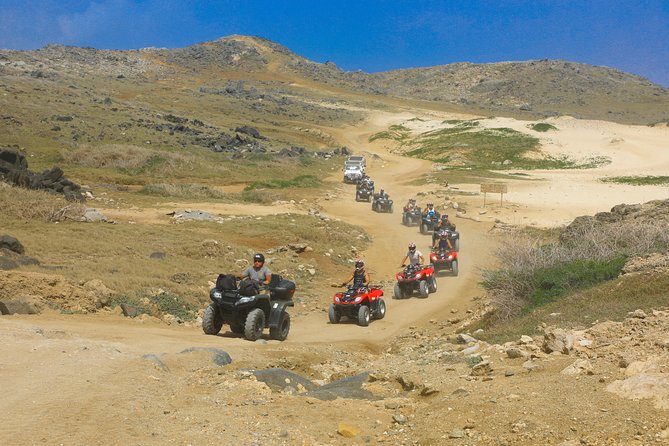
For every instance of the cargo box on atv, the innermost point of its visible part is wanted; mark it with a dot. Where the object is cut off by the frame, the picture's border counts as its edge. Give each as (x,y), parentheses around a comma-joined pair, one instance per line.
(280,288)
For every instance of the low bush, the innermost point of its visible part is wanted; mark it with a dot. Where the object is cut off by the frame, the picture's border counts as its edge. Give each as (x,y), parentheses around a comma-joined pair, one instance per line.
(542,127)
(534,273)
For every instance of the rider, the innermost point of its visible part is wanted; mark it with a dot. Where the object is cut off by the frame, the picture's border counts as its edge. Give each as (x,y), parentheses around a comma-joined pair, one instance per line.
(359,277)
(443,242)
(383,194)
(410,205)
(258,272)
(415,256)
(445,223)
(429,211)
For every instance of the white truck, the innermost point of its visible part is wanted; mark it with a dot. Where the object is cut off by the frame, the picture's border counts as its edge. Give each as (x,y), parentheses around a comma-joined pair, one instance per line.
(354,168)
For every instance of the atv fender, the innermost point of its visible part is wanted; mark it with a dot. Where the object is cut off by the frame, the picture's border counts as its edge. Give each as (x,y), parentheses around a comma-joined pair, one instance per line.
(277,308)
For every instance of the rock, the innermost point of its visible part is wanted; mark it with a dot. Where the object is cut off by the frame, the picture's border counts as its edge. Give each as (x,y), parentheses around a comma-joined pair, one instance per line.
(11,243)
(21,305)
(347,430)
(482,369)
(578,367)
(639,314)
(92,215)
(515,353)
(158,255)
(399,418)
(471,350)
(530,366)
(558,340)
(524,339)
(464,338)
(456,433)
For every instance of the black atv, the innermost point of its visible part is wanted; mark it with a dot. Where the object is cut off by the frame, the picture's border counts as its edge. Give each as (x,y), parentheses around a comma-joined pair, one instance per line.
(382,203)
(428,223)
(452,234)
(249,311)
(363,193)
(411,216)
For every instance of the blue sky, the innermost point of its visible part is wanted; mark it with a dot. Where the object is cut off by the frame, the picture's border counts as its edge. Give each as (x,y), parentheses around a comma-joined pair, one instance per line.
(375,35)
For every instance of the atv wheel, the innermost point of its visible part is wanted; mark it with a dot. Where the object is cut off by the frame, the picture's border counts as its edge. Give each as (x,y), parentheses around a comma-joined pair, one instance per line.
(404,220)
(409,221)
(381,311)
(456,245)
(423,289)
(255,323)
(397,291)
(432,285)
(454,268)
(369,198)
(333,315)
(423,228)
(280,332)
(237,327)
(391,209)
(211,321)
(363,316)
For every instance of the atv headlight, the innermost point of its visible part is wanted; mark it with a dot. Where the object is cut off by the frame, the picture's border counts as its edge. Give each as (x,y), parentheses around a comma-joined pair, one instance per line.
(217,294)
(337,299)
(417,276)
(450,257)
(245,299)
(358,299)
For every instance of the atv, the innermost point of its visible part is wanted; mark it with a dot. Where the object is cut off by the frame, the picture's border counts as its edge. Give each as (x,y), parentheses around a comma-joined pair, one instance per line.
(444,260)
(453,236)
(382,204)
(363,193)
(411,216)
(361,304)
(428,223)
(250,313)
(419,278)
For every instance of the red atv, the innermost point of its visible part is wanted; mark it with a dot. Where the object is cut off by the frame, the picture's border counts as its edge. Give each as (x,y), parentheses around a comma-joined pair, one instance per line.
(444,260)
(419,278)
(362,304)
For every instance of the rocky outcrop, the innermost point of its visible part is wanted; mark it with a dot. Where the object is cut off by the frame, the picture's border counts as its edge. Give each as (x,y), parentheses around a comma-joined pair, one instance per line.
(14,170)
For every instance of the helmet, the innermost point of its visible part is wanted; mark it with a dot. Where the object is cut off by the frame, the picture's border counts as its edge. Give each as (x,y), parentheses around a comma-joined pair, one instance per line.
(259,258)
(444,217)
(412,200)
(412,246)
(430,205)
(381,191)
(359,264)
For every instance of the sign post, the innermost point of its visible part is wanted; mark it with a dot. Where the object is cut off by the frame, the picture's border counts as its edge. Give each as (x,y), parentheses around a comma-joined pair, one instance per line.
(496,188)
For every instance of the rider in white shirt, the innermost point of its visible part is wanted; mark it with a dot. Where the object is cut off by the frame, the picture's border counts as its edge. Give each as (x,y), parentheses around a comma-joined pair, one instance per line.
(415,256)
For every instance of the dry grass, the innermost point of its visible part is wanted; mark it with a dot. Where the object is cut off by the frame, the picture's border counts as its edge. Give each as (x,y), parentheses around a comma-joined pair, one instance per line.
(529,264)
(25,204)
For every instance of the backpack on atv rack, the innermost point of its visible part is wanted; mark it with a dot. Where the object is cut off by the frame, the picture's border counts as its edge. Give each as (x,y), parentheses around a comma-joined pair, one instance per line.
(226,282)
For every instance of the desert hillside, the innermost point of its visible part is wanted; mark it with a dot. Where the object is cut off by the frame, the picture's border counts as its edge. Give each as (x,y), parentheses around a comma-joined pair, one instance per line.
(131,179)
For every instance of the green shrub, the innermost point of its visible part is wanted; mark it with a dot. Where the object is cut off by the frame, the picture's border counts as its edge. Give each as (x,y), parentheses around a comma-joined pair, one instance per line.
(302,181)
(168,303)
(542,127)
(647,180)
(550,284)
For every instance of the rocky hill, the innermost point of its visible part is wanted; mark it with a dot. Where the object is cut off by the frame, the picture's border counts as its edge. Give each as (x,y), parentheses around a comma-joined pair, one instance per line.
(531,89)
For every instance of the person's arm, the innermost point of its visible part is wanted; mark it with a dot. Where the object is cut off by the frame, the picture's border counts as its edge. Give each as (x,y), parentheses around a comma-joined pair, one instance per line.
(347,280)
(268,277)
(450,245)
(404,260)
(366,279)
(421,259)
(244,274)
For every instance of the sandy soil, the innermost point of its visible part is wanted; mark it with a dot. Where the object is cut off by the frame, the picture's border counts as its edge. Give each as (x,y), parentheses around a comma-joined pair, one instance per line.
(86,379)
